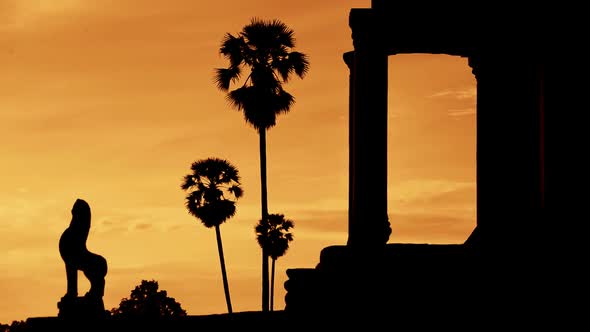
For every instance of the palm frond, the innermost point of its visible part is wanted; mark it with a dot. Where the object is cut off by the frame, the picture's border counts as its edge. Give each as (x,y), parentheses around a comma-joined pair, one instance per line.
(286,225)
(275,219)
(237,191)
(260,115)
(255,33)
(299,62)
(264,78)
(225,76)
(188,182)
(279,248)
(240,98)
(216,212)
(267,35)
(284,34)
(193,202)
(232,48)
(283,101)
(201,187)
(253,101)
(283,67)
(212,194)
(198,166)
(229,174)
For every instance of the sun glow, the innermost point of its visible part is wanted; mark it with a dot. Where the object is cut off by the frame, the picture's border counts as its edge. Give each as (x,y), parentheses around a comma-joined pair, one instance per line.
(23,13)
(111,101)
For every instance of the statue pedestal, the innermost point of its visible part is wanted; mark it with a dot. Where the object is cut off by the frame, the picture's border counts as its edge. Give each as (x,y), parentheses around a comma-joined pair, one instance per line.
(81,308)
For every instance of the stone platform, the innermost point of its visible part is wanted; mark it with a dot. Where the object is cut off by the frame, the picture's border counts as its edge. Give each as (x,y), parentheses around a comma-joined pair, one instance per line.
(249,321)
(413,282)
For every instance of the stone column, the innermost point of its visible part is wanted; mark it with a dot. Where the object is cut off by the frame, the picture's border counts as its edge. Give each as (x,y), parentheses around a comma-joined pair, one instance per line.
(510,159)
(368,220)
(348,58)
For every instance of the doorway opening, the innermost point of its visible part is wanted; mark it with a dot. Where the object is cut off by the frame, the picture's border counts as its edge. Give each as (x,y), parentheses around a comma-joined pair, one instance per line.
(431,149)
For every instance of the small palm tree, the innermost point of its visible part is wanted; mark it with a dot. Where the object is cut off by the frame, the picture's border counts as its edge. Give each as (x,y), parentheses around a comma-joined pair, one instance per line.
(213,188)
(273,236)
(265,48)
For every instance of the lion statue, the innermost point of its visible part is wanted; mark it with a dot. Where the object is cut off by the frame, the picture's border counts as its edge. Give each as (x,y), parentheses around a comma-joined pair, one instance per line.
(73,251)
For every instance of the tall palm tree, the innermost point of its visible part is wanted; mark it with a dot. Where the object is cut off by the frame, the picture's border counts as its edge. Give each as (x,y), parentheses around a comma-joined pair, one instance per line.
(273,236)
(213,187)
(262,55)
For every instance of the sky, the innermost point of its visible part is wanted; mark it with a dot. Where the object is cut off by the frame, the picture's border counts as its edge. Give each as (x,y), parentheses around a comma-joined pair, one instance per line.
(111,101)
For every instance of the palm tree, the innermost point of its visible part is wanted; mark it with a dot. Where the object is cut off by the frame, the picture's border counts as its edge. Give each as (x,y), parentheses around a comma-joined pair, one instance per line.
(273,236)
(264,48)
(213,188)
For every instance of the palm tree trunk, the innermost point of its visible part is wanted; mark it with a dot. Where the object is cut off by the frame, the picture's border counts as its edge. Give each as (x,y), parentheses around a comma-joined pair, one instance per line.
(272,285)
(223,272)
(264,206)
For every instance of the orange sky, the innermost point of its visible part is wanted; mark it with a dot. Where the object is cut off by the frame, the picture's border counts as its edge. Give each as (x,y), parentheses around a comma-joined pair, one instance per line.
(112,101)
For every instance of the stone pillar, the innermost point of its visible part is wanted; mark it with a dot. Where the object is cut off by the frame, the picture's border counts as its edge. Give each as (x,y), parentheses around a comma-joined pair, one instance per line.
(368,220)
(510,151)
(348,58)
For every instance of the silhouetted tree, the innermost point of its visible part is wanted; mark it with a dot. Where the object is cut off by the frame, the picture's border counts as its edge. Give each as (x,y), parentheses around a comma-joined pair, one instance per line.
(15,326)
(265,49)
(273,236)
(213,187)
(147,302)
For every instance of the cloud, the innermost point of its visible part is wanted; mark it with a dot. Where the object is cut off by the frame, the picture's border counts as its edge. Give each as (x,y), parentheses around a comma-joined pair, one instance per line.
(466,93)
(432,211)
(438,201)
(322,220)
(441,218)
(143,226)
(117,220)
(17,14)
(26,214)
(429,227)
(425,190)
(462,112)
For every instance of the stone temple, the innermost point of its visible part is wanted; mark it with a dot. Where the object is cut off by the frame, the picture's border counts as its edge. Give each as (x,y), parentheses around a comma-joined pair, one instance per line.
(516,56)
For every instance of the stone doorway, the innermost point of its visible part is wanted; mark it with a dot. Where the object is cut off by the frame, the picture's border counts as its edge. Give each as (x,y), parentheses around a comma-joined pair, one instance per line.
(431,149)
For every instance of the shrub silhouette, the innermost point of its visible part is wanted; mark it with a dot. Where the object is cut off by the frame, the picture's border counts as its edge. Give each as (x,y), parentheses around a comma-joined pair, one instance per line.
(147,302)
